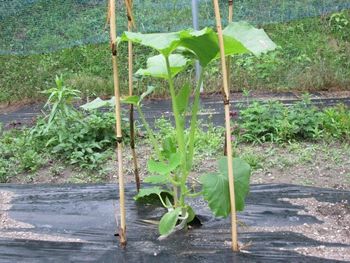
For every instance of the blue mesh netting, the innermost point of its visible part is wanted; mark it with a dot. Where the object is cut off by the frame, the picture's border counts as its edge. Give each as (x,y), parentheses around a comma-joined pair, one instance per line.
(39,26)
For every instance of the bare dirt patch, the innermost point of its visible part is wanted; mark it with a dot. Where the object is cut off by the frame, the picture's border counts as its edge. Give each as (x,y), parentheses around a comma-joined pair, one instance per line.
(321,164)
(334,228)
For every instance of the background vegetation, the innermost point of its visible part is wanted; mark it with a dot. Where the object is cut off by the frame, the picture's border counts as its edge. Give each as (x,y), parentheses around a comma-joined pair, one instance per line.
(313,55)
(85,141)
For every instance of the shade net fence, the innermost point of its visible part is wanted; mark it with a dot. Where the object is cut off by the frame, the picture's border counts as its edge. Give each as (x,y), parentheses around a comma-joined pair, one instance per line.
(41,26)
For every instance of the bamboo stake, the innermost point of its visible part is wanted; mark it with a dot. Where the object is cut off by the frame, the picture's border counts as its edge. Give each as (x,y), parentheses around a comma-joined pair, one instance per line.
(228,61)
(230,11)
(228,128)
(230,19)
(113,33)
(131,24)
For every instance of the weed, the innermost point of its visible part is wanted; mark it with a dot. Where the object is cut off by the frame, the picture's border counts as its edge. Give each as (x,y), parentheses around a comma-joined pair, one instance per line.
(83,139)
(275,122)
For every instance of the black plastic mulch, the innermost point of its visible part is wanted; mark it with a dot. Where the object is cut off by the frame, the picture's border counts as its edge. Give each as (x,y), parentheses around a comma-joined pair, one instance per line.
(87,212)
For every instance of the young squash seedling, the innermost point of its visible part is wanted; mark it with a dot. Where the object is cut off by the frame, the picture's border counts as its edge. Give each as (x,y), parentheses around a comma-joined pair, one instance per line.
(169,171)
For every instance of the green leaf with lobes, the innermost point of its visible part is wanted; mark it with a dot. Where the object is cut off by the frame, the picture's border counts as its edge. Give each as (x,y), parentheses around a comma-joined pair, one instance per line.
(165,168)
(144,192)
(168,221)
(239,38)
(216,186)
(134,100)
(203,43)
(165,43)
(156,66)
(254,40)
(157,179)
(98,103)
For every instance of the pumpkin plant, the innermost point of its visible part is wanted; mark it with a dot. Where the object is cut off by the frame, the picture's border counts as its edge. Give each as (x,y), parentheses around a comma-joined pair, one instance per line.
(173,162)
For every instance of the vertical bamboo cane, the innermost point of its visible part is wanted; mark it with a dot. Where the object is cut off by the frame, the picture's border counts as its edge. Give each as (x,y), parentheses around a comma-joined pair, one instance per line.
(228,128)
(230,18)
(113,33)
(129,6)
(228,61)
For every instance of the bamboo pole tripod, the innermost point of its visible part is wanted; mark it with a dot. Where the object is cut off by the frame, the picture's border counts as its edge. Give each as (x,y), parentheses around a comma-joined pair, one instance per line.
(113,30)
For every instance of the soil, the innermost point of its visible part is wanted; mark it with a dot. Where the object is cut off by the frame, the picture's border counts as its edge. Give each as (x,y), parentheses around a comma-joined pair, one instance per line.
(322,164)
(334,228)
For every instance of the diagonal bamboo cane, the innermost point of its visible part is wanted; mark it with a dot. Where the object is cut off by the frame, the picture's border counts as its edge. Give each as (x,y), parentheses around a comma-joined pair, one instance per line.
(131,24)
(228,128)
(113,35)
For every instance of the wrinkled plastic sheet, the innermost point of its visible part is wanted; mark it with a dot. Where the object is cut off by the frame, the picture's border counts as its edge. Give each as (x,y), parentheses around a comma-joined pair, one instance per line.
(87,212)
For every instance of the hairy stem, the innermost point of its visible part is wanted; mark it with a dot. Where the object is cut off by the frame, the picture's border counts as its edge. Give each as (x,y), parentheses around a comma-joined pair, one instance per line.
(150,133)
(179,131)
(194,194)
(194,118)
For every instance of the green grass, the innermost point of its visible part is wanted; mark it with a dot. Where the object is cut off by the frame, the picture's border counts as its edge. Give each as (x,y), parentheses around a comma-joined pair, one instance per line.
(314,55)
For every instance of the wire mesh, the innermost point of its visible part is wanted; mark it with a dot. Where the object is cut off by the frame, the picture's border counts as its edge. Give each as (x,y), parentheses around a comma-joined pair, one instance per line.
(40,26)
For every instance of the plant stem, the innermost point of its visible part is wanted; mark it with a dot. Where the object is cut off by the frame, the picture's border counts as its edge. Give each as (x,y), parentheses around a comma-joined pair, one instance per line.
(194,194)
(150,133)
(193,127)
(156,148)
(179,131)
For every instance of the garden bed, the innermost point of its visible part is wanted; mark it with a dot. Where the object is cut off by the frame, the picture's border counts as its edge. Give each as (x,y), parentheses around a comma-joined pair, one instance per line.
(304,163)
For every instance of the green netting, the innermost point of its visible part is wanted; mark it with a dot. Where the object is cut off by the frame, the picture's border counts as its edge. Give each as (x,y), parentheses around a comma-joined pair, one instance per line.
(39,26)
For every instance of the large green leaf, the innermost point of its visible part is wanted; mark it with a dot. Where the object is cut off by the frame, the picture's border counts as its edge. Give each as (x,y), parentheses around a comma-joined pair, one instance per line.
(203,43)
(98,103)
(216,187)
(165,168)
(216,192)
(168,221)
(156,66)
(233,47)
(131,100)
(157,179)
(253,39)
(165,43)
